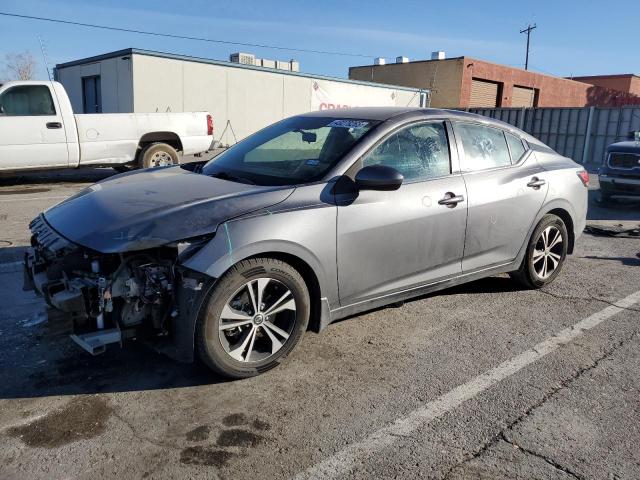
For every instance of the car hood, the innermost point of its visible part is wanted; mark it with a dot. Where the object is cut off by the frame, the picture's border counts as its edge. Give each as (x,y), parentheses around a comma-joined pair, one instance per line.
(150,208)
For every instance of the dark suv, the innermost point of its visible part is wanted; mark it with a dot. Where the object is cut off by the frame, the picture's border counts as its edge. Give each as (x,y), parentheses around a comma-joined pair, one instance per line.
(620,172)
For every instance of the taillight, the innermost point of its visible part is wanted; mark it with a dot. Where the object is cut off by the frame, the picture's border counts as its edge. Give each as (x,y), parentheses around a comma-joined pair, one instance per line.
(209,125)
(584,176)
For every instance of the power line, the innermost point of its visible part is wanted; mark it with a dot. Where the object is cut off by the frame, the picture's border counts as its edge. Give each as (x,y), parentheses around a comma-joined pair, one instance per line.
(184,37)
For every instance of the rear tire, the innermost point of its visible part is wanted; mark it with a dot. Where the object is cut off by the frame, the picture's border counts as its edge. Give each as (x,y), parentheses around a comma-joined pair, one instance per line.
(254,316)
(158,155)
(545,255)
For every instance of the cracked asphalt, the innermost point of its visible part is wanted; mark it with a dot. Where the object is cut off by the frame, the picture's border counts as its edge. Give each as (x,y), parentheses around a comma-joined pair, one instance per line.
(574,413)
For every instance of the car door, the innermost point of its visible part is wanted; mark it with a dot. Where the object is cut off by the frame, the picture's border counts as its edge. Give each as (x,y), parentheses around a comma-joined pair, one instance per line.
(31,128)
(389,241)
(505,190)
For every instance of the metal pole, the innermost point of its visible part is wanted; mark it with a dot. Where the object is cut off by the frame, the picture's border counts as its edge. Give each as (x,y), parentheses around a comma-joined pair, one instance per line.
(587,137)
(528,32)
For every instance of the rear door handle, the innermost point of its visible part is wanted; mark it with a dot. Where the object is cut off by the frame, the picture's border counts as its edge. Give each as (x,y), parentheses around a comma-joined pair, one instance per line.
(451,199)
(536,183)
(54,125)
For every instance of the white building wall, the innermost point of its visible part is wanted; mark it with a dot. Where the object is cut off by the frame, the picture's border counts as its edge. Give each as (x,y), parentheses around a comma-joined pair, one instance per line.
(241,100)
(116,83)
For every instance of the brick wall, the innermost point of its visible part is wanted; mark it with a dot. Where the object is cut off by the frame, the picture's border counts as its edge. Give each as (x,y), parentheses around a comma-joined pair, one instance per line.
(625,83)
(450,83)
(552,91)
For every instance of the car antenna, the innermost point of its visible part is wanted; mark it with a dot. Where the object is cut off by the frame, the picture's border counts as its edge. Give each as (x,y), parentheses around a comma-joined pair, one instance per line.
(44,56)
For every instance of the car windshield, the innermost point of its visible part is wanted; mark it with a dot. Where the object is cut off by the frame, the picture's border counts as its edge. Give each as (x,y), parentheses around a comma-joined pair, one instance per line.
(294,151)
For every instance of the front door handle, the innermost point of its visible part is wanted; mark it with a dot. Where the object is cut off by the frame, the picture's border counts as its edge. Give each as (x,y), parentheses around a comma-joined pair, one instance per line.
(451,200)
(54,125)
(536,183)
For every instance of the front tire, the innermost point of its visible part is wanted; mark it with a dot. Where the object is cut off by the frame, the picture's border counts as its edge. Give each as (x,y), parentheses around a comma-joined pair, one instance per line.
(546,253)
(255,315)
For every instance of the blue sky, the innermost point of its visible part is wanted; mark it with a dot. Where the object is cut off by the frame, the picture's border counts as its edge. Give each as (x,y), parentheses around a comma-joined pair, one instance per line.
(572,38)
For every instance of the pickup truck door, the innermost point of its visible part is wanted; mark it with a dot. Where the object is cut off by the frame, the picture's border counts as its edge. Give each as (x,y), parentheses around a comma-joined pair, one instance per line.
(32,132)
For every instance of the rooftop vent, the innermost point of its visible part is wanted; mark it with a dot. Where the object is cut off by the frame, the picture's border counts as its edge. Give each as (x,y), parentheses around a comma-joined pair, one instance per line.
(402,59)
(380,61)
(243,58)
(439,55)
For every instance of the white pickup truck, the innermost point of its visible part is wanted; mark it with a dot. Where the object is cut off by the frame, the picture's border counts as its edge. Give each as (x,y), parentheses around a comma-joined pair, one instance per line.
(38,130)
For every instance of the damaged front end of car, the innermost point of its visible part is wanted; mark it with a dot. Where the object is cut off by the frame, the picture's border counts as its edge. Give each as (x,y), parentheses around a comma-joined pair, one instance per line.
(111,297)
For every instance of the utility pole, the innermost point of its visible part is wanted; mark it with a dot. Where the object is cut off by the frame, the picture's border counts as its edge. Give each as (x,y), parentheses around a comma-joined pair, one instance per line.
(528,32)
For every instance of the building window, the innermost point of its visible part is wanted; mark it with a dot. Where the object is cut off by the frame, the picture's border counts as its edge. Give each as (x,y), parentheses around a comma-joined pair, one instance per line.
(91,94)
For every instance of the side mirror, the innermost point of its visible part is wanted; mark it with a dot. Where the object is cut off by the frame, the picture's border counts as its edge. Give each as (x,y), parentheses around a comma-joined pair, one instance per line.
(379,177)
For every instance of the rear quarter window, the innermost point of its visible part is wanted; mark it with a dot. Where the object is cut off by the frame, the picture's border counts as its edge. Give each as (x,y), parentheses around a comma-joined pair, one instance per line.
(516,147)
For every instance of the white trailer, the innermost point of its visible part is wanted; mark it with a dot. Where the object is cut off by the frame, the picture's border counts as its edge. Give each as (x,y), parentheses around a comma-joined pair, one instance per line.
(241,98)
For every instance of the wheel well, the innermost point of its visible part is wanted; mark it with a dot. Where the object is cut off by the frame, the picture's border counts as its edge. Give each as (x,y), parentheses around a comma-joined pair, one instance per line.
(169,138)
(309,277)
(568,221)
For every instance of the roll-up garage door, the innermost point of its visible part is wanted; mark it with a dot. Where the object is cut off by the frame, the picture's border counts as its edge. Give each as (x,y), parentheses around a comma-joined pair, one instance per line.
(483,94)
(522,97)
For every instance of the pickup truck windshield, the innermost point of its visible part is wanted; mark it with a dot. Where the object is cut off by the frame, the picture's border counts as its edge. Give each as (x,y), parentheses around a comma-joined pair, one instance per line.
(293,151)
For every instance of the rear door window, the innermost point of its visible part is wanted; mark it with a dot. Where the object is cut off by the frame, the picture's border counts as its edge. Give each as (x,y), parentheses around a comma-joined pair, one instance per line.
(484,147)
(26,101)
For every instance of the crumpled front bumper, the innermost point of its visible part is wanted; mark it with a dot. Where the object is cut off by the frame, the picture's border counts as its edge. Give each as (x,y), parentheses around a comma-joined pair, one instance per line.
(59,294)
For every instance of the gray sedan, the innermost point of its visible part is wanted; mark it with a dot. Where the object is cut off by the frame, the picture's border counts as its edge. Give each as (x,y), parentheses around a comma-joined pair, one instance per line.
(312,219)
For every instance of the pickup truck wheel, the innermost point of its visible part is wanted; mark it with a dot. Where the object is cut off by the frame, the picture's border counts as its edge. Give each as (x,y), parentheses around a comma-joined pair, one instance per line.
(255,315)
(158,155)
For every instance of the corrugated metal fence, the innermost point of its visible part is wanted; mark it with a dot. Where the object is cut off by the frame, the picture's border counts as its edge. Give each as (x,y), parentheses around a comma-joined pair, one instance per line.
(579,133)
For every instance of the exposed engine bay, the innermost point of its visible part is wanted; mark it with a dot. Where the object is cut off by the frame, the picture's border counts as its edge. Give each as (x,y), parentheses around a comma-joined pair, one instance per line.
(107,297)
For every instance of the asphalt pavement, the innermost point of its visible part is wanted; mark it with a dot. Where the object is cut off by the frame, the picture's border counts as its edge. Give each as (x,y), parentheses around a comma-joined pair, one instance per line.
(484,381)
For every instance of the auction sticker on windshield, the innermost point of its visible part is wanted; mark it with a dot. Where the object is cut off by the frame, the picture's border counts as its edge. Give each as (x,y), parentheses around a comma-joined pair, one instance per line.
(349,124)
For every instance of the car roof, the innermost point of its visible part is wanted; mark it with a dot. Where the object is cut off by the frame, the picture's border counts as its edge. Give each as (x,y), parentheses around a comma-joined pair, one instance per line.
(386,113)
(628,146)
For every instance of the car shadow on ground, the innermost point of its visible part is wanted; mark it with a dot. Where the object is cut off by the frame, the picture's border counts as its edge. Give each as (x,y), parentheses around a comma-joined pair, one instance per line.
(48,177)
(626,261)
(135,367)
(51,364)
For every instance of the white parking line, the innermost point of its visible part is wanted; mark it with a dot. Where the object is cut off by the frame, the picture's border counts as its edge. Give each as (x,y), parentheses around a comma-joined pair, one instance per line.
(343,461)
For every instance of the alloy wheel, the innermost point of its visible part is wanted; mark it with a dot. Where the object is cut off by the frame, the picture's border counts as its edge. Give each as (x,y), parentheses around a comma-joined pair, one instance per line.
(257,320)
(547,253)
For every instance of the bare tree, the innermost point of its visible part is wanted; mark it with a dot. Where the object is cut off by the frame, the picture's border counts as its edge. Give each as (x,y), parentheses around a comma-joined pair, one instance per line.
(21,66)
